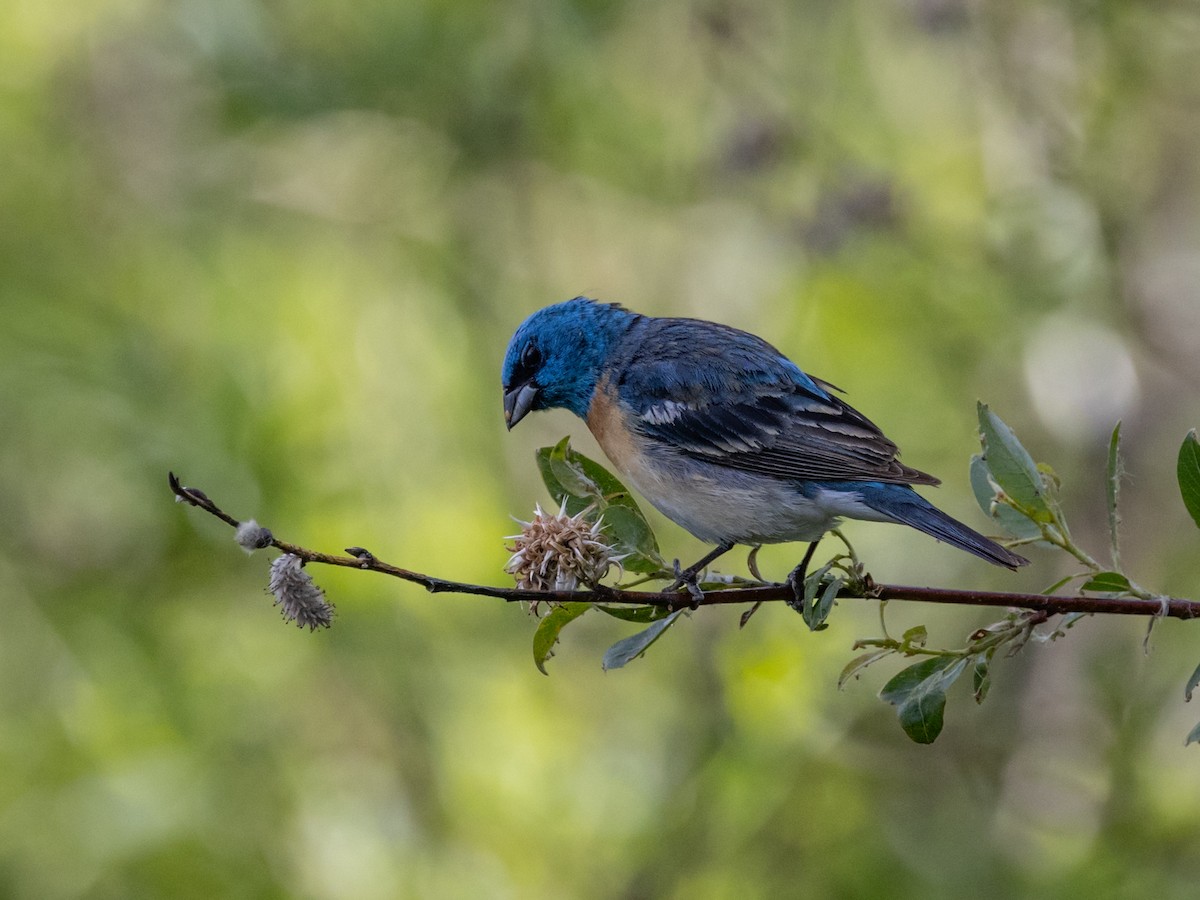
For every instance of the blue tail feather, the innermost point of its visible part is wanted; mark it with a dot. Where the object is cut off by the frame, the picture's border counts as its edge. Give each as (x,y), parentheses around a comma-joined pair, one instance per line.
(906,506)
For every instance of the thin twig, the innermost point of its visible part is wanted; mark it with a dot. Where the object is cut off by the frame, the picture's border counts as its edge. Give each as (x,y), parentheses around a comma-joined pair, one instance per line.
(361,558)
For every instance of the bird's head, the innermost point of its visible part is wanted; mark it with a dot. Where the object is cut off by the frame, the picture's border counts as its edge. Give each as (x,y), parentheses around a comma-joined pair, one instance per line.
(556,356)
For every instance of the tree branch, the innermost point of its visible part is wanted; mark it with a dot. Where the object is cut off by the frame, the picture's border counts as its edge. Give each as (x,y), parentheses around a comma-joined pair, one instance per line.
(361,558)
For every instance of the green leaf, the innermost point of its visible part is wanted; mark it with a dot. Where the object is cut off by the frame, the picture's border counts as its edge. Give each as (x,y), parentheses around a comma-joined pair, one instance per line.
(1106,583)
(711,584)
(1191,685)
(1189,475)
(1193,736)
(640,614)
(919,695)
(1114,471)
(564,463)
(825,606)
(814,611)
(550,475)
(915,636)
(1014,522)
(548,630)
(981,678)
(1063,582)
(589,475)
(632,647)
(1011,466)
(1066,623)
(633,538)
(583,482)
(854,668)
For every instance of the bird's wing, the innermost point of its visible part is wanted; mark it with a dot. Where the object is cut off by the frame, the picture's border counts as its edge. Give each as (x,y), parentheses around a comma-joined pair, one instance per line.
(729,398)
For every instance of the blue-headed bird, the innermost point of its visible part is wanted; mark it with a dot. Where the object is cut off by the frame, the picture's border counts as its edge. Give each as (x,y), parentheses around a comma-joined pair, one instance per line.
(720,431)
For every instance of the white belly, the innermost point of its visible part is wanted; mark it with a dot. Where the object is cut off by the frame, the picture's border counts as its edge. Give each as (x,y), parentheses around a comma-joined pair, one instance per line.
(715,503)
(718,504)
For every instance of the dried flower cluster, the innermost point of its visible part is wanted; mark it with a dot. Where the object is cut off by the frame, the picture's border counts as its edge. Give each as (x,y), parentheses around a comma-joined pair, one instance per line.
(297,595)
(557,552)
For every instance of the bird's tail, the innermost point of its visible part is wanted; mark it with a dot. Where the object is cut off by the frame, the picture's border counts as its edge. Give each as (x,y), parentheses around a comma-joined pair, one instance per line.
(907,506)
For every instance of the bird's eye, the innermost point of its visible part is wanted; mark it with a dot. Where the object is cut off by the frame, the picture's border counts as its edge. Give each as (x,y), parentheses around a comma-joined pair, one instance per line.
(531,357)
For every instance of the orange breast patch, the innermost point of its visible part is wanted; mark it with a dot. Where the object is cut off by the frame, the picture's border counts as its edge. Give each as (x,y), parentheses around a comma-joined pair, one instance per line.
(607,425)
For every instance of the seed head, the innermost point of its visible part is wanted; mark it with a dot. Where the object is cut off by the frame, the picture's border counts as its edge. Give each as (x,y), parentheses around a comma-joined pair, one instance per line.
(557,552)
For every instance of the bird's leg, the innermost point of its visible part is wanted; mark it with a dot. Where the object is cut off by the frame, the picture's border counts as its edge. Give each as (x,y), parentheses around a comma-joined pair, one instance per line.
(797,575)
(795,580)
(687,577)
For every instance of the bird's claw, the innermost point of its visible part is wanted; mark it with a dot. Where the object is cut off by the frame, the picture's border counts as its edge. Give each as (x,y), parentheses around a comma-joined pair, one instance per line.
(795,581)
(686,578)
(798,576)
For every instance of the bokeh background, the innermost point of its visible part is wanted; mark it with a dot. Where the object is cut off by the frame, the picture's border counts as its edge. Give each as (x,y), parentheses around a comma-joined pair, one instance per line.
(279,247)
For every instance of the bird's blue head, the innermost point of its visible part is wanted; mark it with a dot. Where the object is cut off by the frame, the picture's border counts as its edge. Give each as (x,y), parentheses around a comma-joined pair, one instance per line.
(556,355)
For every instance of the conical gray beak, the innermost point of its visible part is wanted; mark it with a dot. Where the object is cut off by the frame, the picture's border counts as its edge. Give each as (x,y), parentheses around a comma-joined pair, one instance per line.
(518,401)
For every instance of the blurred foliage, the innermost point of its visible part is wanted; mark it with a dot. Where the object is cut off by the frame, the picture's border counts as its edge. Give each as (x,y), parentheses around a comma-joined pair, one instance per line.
(279,247)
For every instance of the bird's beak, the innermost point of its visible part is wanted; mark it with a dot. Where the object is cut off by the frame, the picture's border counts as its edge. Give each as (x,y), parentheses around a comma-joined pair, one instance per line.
(518,401)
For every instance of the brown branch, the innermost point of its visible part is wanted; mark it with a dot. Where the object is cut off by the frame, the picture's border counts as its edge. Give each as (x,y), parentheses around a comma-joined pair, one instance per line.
(360,558)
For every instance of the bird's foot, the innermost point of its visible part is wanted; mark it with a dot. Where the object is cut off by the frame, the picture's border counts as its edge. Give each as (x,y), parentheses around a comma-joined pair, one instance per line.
(798,576)
(686,578)
(795,581)
(689,577)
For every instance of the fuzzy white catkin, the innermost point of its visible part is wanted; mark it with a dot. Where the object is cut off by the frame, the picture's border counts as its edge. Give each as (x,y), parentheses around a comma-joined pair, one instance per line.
(297,595)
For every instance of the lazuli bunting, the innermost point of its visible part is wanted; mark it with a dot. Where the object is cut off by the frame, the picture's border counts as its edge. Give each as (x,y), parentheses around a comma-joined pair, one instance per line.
(719,430)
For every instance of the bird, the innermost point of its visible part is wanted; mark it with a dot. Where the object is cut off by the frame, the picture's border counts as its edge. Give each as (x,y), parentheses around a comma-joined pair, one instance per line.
(720,431)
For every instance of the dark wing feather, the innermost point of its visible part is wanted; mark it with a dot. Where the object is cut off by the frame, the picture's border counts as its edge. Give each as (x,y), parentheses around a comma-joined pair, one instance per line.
(729,398)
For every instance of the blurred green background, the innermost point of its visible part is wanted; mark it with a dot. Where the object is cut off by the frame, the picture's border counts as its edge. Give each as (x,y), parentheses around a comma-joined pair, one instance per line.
(279,247)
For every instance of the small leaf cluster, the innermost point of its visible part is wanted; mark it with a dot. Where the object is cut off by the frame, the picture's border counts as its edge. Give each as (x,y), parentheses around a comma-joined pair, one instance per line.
(819,593)
(919,691)
(1021,497)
